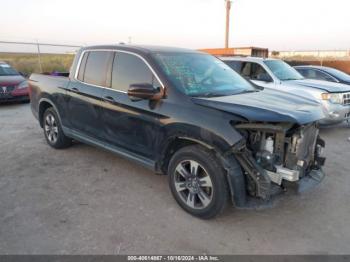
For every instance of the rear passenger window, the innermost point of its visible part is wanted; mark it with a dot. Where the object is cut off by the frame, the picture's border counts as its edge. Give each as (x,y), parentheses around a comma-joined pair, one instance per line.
(82,67)
(97,67)
(129,69)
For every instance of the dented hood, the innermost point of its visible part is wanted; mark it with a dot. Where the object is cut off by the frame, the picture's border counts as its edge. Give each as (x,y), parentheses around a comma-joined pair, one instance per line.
(267,106)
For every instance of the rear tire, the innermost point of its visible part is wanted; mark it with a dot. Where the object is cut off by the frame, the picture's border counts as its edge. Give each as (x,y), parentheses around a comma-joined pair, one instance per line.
(53,130)
(197,181)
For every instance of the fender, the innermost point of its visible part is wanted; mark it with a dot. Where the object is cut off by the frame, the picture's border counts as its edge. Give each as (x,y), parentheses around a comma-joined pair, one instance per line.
(52,104)
(177,135)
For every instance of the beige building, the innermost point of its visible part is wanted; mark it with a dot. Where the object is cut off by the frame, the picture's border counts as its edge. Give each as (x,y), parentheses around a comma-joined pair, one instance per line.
(238,51)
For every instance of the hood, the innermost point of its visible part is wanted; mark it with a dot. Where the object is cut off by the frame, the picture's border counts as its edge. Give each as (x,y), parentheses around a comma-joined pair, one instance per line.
(330,87)
(345,82)
(11,80)
(266,106)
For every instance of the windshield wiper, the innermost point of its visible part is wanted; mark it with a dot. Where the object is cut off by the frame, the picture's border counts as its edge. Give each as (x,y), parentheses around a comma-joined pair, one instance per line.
(210,94)
(290,79)
(213,94)
(247,91)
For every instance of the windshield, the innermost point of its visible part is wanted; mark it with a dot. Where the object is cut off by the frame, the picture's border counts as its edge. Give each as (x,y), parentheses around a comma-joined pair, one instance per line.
(338,74)
(6,70)
(198,74)
(282,70)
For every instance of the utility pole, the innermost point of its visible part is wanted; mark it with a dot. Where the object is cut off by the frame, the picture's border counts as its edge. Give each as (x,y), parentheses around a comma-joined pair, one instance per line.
(228,8)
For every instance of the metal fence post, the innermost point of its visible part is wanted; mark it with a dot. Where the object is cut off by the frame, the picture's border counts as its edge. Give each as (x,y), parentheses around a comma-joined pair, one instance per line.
(39,57)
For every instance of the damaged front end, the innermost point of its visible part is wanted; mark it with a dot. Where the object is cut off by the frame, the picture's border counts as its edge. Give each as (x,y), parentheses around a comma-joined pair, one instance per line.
(275,157)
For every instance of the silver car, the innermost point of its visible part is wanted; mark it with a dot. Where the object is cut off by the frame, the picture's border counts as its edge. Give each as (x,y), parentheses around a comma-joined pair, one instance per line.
(276,74)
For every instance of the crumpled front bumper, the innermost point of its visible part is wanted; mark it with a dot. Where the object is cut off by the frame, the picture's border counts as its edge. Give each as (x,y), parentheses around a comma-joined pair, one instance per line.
(305,184)
(335,113)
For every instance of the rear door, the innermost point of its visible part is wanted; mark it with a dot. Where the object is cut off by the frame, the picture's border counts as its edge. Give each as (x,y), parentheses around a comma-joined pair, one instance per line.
(85,93)
(131,125)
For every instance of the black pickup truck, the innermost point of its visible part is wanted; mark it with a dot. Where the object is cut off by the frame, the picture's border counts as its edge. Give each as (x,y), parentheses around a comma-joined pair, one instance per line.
(187,115)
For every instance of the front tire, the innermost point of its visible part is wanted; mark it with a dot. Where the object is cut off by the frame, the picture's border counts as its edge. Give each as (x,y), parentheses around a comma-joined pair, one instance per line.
(53,130)
(197,181)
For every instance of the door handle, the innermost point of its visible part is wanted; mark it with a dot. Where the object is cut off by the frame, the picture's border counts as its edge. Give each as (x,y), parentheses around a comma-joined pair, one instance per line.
(63,88)
(75,90)
(109,99)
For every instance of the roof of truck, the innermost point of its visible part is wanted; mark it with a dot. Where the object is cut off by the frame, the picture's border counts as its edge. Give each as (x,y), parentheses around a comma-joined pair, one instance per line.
(312,66)
(146,49)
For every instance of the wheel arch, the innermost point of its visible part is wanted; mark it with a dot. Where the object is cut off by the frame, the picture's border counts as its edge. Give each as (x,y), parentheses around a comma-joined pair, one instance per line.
(221,149)
(173,145)
(178,136)
(44,104)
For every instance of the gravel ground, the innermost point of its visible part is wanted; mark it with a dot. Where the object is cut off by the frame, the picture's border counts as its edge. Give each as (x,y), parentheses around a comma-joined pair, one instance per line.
(84,200)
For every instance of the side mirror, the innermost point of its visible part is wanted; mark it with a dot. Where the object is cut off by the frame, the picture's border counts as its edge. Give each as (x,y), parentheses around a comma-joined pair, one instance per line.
(264,77)
(144,91)
(23,74)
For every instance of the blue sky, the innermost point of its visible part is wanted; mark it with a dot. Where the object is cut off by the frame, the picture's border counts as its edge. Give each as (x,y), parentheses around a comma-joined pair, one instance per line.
(276,24)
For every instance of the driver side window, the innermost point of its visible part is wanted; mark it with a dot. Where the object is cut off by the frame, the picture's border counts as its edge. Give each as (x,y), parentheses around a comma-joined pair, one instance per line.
(255,71)
(324,76)
(129,69)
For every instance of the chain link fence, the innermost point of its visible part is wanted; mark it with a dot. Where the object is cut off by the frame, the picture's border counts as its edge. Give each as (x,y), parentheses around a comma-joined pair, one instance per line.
(37,57)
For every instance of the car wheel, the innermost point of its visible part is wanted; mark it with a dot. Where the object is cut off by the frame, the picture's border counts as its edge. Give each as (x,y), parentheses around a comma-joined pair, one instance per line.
(197,182)
(53,130)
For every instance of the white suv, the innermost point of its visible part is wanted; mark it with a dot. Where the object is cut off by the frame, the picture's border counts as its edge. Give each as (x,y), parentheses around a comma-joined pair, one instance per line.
(276,74)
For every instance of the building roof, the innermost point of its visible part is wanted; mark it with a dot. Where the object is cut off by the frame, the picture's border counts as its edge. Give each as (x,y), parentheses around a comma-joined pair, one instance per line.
(233,50)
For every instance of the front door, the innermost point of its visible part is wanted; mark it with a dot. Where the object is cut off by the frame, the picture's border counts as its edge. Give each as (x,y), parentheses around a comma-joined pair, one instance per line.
(257,74)
(131,125)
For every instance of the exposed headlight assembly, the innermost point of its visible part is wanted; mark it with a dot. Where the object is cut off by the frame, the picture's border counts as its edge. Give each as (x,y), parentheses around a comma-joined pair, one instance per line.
(335,98)
(23,85)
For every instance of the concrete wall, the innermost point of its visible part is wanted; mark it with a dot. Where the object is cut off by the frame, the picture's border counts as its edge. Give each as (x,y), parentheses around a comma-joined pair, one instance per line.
(316,53)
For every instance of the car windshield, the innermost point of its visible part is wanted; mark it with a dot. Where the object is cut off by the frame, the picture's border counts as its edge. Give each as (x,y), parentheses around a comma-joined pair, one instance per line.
(6,70)
(283,71)
(197,74)
(338,74)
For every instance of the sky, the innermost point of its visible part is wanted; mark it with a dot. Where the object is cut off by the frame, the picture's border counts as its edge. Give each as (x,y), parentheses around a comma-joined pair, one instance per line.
(274,24)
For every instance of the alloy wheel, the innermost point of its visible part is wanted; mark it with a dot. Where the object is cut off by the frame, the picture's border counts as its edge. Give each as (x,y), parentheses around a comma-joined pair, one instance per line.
(51,128)
(193,184)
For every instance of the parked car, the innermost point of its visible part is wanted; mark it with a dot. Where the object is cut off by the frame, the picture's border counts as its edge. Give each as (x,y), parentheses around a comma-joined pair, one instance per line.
(323,73)
(276,74)
(188,115)
(13,86)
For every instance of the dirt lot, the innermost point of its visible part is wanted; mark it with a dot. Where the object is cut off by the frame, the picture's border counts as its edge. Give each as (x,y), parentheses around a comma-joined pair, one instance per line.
(84,200)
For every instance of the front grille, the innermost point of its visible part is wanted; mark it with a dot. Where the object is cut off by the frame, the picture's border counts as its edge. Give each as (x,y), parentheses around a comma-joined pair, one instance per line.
(6,89)
(346,99)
